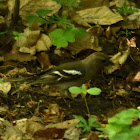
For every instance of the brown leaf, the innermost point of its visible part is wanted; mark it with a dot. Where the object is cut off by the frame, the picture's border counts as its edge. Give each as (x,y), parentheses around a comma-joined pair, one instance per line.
(44,60)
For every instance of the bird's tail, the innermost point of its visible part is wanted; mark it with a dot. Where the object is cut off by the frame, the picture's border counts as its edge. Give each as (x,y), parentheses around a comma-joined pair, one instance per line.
(19,79)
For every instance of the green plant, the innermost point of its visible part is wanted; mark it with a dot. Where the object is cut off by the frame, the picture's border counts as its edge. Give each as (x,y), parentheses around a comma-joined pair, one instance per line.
(126,33)
(121,125)
(17,35)
(61,21)
(4,32)
(84,90)
(40,16)
(1,81)
(1,5)
(126,10)
(61,37)
(87,125)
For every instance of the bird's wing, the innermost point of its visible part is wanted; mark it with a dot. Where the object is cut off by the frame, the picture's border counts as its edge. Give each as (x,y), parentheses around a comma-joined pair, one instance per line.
(63,73)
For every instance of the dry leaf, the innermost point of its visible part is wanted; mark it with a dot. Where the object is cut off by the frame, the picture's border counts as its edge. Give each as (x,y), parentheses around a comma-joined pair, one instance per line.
(53,113)
(72,133)
(118,60)
(34,124)
(99,15)
(5,87)
(9,132)
(137,77)
(1,59)
(34,5)
(64,125)
(43,43)
(89,41)
(137,89)
(44,60)
(133,21)
(16,71)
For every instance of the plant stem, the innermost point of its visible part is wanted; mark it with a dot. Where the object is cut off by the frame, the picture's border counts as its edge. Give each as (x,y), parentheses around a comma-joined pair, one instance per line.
(16,11)
(87,106)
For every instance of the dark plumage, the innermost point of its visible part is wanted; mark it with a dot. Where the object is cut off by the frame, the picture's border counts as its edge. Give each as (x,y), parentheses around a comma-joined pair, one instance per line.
(72,73)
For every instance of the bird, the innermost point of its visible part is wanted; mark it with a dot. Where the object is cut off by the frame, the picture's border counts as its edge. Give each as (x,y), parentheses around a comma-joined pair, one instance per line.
(71,74)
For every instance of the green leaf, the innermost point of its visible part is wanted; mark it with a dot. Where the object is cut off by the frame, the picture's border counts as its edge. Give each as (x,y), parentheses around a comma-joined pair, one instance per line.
(15,33)
(84,89)
(91,121)
(71,3)
(80,118)
(125,6)
(75,90)
(94,91)
(43,13)
(60,37)
(123,136)
(21,34)
(61,2)
(79,31)
(16,38)
(86,128)
(130,134)
(1,33)
(126,10)
(61,21)
(120,121)
(113,129)
(69,35)
(82,123)
(57,38)
(56,33)
(136,129)
(1,81)
(1,5)
(41,20)
(60,42)
(128,114)
(31,18)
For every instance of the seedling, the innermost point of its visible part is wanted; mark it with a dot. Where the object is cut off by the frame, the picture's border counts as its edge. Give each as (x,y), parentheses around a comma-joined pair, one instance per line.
(40,16)
(120,126)
(126,10)
(84,90)
(87,125)
(61,21)
(126,33)
(17,35)
(61,37)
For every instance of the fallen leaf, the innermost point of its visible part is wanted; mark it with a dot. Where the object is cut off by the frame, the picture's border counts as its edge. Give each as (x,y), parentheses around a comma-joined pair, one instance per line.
(44,60)
(137,77)
(118,60)
(5,87)
(99,15)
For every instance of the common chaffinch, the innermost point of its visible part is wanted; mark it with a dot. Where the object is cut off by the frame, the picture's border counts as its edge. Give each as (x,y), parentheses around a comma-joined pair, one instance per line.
(72,73)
